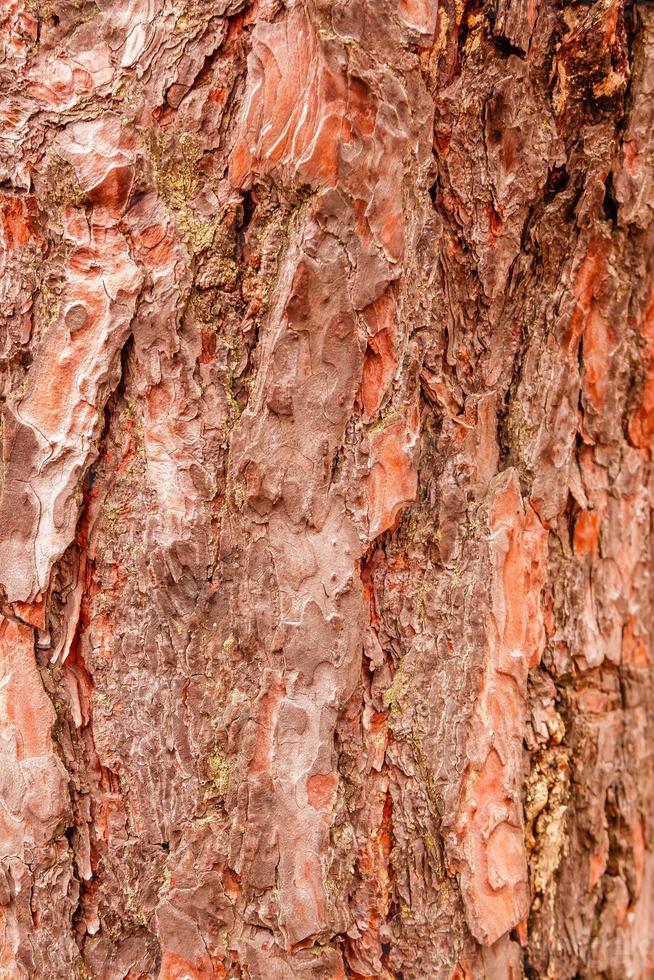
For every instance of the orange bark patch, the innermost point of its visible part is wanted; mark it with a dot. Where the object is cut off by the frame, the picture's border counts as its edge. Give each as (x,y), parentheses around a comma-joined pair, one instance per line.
(495,894)
(589,282)
(321,791)
(635,651)
(155,243)
(377,721)
(523,578)
(494,224)
(16,221)
(379,366)
(382,314)
(375,725)
(491,854)
(231,884)
(295,106)
(208,350)
(522,931)
(586,533)
(362,110)
(392,232)
(31,612)
(305,119)
(174,967)
(361,222)
(597,344)
(380,359)
(268,708)
(393,482)
(113,191)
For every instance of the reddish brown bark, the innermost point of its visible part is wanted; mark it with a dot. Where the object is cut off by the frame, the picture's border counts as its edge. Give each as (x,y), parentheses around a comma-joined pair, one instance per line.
(326,501)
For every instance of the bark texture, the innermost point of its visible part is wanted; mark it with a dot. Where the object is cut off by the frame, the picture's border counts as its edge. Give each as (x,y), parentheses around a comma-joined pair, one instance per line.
(326,503)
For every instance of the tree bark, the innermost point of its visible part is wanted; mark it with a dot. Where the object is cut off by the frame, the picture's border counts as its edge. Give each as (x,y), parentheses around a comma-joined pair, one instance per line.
(326,506)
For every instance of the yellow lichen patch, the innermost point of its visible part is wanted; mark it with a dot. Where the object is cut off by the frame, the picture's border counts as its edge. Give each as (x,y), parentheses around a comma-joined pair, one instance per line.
(425,769)
(64,187)
(191,16)
(397,690)
(239,493)
(166,879)
(176,182)
(198,234)
(220,769)
(230,643)
(135,913)
(81,971)
(48,304)
(430,57)
(441,43)
(517,426)
(548,790)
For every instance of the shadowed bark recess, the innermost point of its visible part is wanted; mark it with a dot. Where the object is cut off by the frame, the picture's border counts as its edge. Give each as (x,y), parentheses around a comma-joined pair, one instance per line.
(327,364)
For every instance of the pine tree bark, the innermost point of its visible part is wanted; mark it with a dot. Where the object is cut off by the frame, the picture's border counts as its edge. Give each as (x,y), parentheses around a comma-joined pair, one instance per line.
(326,505)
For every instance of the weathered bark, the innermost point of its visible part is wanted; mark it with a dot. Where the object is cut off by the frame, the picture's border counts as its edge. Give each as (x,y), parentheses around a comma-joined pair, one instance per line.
(326,505)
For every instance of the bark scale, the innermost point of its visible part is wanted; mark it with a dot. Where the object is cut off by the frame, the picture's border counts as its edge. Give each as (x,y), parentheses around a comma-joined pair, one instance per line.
(326,505)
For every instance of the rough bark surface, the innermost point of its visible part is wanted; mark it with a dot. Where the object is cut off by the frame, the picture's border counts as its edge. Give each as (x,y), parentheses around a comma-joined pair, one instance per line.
(326,502)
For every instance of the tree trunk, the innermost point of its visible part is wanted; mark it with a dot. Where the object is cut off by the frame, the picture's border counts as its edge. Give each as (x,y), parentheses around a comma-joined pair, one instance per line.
(326,511)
